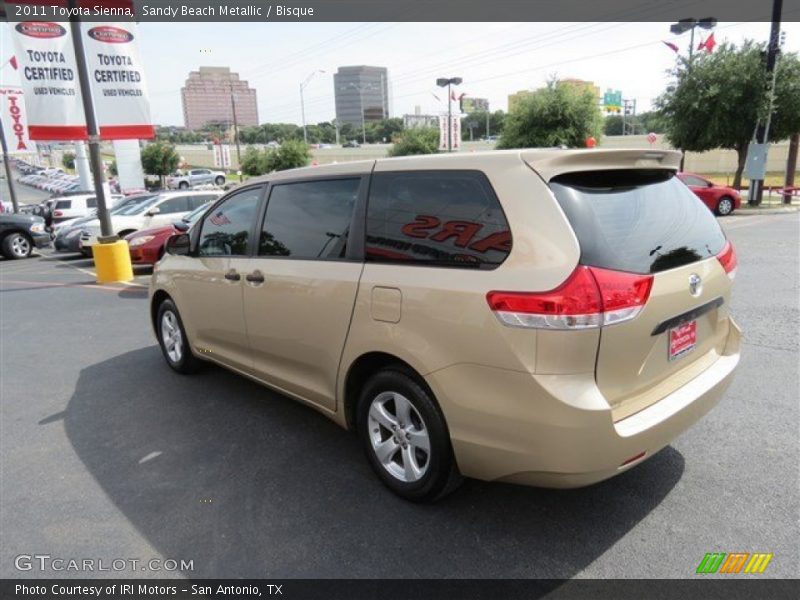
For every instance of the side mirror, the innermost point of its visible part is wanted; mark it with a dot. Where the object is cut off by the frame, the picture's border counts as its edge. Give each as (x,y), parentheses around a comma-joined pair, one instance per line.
(179,244)
(709,184)
(181,226)
(153,211)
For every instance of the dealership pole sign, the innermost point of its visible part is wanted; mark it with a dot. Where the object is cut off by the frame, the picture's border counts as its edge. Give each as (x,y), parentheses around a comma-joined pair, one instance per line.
(49,75)
(15,121)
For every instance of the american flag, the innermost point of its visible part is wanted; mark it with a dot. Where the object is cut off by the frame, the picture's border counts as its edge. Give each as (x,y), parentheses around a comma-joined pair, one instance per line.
(219,219)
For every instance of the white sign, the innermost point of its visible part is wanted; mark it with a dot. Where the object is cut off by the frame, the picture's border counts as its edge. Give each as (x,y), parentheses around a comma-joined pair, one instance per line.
(455,132)
(49,76)
(15,121)
(117,81)
(222,156)
(130,174)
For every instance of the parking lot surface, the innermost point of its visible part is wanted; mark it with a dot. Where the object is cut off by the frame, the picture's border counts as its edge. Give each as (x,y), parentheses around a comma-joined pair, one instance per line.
(108,454)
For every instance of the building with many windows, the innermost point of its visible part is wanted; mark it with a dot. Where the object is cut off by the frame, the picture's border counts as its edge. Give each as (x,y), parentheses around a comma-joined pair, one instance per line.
(362,94)
(210,94)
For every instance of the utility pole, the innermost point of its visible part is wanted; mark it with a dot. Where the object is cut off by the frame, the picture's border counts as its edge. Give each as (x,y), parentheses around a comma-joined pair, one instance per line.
(235,135)
(11,191)
(487,125)
(756,191)
(107,233)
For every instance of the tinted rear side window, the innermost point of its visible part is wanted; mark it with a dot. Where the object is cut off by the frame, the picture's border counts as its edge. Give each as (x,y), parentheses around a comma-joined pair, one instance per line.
(63,204)
(642,221)
(436,218)
(309,220)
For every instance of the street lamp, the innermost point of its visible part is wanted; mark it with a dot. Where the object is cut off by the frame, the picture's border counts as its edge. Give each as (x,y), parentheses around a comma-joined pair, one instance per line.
(445,82)
(685,25)
(302,102)
(361,87)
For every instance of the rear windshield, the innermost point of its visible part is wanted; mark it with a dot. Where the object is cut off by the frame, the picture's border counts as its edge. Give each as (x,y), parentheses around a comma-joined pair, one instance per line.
(641,221)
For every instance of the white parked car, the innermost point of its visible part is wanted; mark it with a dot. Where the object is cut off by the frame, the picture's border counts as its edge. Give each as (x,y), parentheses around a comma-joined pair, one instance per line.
(160,210)
(80,205)
(195,177)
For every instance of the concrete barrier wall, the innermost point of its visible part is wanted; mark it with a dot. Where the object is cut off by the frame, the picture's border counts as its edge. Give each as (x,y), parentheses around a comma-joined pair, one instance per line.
(714,161)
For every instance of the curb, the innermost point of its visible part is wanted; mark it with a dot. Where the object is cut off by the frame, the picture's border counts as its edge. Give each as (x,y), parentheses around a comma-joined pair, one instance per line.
(778,210)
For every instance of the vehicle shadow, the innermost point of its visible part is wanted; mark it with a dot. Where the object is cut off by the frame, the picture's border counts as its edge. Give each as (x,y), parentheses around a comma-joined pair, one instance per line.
(247,483)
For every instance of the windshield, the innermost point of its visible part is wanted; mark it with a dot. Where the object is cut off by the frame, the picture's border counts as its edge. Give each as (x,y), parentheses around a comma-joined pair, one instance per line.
(641,221)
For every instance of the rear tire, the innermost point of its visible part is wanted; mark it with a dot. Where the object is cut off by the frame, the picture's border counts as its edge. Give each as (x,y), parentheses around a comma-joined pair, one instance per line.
(173,341)
(405,437)
(183,185)
(16,246)
(725,206)
(220,180)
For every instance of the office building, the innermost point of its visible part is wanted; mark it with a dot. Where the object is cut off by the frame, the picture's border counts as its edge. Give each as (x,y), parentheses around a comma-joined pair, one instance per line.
(207,99)
(362,94)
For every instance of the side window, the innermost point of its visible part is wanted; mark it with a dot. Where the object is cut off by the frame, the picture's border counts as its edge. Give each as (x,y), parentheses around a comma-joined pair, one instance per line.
(199,200)
(194,172)
(92,202)
(309,219)
(437,218)
(695,181)
(226,229)
(176,204)
(63,204)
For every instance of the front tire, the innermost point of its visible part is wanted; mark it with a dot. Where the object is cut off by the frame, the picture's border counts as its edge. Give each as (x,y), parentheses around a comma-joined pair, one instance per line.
(17,246)
(220,180)
(405,437)
(183,185)
(173,341)
(724,206)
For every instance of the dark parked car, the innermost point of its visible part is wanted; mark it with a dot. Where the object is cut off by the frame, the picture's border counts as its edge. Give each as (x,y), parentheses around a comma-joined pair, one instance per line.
(20,233)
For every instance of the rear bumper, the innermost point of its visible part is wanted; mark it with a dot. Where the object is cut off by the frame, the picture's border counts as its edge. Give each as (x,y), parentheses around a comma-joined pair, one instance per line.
(558,430)
(144,256)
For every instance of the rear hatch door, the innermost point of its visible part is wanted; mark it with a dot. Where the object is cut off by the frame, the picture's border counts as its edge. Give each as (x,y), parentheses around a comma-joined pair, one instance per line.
(647,221)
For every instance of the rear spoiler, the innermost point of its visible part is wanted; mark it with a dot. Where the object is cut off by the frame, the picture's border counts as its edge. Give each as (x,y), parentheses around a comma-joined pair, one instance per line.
(549,164)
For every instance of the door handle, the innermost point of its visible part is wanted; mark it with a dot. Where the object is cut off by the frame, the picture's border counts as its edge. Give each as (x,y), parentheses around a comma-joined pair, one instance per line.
(232,276)
(255,277)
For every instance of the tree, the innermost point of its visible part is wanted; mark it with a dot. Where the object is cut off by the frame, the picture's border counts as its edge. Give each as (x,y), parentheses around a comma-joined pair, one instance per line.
(417,140)
(476,121)
(68,160)
(716,101)
(160,159)
(556,115)
(291,154)
(112,168)
(254,161)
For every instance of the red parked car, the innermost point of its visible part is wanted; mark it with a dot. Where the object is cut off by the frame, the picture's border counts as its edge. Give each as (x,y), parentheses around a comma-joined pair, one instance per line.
(147,246)
(721,199)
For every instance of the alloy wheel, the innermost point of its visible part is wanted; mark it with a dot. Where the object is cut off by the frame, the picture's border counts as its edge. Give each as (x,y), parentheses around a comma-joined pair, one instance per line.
(20,246)
(171,336)
(399,437)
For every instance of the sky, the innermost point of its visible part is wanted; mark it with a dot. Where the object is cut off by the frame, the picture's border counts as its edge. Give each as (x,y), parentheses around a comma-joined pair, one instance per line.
(494,59)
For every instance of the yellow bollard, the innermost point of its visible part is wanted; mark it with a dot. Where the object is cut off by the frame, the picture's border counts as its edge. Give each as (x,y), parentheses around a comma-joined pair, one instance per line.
(113,262)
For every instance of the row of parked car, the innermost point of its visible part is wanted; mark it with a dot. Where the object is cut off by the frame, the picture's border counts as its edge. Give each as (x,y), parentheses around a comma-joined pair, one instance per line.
(145,220)
(53,180)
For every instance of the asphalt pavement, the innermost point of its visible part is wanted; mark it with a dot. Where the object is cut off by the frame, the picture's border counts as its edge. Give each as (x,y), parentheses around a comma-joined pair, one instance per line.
(108,454)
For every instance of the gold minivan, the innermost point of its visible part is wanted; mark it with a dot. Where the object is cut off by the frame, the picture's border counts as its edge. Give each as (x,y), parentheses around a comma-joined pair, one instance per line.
(546,317)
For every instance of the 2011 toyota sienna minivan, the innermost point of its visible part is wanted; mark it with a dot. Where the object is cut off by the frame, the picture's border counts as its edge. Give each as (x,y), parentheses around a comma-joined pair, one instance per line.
(546,317)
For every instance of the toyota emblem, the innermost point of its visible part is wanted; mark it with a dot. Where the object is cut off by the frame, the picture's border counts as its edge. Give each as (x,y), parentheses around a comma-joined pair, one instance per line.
(695,284)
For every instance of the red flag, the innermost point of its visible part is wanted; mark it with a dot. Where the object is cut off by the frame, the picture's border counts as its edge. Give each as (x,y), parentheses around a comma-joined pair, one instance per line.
(461,96)
(13,62)
(453,95)
(670,45)
(709,44)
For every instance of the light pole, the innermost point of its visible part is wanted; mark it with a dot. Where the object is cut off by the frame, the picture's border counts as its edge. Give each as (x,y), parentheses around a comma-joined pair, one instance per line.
(302,101)
(681,27)
(361,87)
(445,82)
(235,135)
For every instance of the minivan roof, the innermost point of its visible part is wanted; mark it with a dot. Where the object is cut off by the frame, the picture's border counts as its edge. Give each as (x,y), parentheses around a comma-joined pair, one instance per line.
(548,162)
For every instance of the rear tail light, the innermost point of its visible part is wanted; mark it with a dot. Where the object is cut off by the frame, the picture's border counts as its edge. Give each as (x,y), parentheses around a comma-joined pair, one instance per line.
(590,297)
(727,258)
(58,213)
